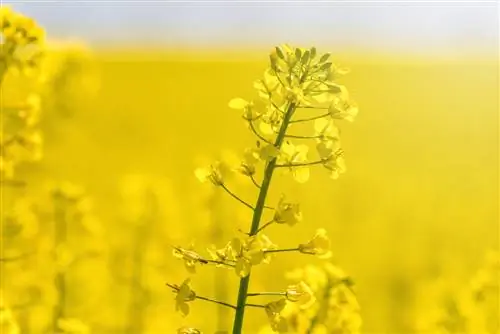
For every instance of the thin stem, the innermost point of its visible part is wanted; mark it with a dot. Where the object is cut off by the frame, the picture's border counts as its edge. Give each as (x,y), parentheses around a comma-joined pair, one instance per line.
(176,290)
(318,162)
(220,262)
(304,137)
(254,294)
(310,118)
(283,250)
(216,302)
(236,197)
(256,305)
(254,130)
(254,182)
(265,225)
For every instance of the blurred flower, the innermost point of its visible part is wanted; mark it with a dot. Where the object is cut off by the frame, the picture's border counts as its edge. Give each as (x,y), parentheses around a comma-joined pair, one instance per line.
(273,310)
(73,326)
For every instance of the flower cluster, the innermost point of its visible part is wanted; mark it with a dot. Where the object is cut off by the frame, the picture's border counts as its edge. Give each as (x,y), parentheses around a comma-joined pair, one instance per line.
(472,309)
(336,309)
(21,42)
(299,88)
(21,139)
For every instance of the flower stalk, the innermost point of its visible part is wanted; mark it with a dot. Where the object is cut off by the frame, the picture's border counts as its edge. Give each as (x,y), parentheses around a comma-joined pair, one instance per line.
(293,81)
(259,208)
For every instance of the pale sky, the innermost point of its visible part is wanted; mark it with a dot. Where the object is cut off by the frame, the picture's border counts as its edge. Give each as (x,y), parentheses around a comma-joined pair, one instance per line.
(430,27)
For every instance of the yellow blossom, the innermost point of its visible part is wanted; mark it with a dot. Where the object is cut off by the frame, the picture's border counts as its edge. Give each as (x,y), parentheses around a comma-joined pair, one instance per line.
(318,245)
(184,294)
(190,258)
(301,294)
(342,108)
(213,174)
(251,252)
(287,212)
(295,155)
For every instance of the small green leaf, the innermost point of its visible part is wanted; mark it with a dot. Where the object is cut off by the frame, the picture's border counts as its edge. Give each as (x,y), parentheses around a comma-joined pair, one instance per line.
(298,53)
(306,57)
(326,66)
(334,88)
(313,52)
(324,57)
(279,52)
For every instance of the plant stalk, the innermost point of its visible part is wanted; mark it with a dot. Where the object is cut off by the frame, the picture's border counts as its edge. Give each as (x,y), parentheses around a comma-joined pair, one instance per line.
(257,215)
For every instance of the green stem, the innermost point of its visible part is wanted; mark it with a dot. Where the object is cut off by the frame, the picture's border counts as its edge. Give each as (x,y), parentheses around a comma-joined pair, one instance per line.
(282,250)
(257,215)
(255,294)
(265,225)
(310,118)
(311,163)
(233,195)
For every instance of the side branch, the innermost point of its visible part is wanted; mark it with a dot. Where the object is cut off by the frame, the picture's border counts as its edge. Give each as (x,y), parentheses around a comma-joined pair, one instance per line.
(176,290)
(237,198)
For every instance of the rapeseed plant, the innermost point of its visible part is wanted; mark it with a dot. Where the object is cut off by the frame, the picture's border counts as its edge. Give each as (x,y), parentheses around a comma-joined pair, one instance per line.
(21,46)
(297,80)
(21,50)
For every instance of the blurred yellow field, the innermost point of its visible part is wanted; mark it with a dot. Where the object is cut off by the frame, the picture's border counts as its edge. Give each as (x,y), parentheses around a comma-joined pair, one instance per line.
(413,221)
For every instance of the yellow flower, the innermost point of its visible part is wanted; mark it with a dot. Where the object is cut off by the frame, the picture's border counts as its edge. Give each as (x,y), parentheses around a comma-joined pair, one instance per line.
(318,245)
(250,159)
(213,174)
(301,294)
(277,321)
(184,294)
(326,130)
(336,165)
(251,252)
(287,213)
(342,108)
(221,255)
(265,87)
(295,95)
(295,155)
(190,258)
(30,111)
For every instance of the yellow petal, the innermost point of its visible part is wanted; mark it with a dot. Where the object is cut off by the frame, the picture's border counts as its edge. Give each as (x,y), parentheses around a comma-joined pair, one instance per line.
(238,103)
